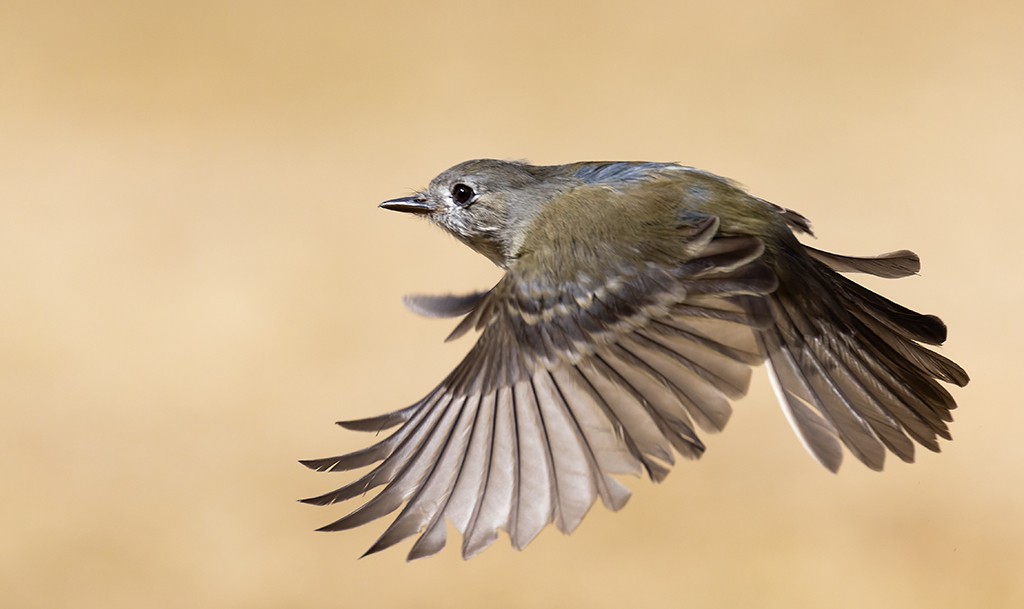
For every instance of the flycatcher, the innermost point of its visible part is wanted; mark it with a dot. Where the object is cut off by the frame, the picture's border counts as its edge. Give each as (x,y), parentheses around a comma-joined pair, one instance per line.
(636,298)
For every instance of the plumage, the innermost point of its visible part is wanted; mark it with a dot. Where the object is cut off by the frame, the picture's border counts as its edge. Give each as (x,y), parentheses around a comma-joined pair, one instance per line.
(448,305)
(636,300)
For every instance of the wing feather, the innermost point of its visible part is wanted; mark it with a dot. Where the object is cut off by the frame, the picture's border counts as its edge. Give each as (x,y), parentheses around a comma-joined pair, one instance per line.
(569,385)
(535,502)
(847,364)
(493,510)
(580,377)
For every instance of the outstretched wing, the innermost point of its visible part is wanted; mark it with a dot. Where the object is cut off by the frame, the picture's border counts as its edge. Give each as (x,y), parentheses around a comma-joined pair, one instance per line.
(568,385)
(848,365)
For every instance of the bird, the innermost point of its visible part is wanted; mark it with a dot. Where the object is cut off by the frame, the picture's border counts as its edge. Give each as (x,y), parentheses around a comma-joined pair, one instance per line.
(637,298)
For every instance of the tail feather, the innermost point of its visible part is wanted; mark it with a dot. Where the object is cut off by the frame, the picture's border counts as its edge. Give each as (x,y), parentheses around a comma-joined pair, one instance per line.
(848,366)
(897,318)
(891,266)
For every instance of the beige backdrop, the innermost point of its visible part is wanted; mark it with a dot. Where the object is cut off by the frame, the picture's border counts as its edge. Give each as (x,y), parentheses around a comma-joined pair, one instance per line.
(195,282)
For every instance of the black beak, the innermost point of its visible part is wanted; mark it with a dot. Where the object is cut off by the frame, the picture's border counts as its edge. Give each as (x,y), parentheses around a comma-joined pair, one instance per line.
(413,205)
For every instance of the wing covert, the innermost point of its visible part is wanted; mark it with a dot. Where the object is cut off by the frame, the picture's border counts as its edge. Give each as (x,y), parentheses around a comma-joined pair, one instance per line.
(568,385)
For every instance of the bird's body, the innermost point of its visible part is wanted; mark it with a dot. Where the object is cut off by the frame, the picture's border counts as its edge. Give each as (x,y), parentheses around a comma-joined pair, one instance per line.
(636,299)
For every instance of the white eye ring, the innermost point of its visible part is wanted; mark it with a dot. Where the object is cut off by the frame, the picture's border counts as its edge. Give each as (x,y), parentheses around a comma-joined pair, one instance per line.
(462,195)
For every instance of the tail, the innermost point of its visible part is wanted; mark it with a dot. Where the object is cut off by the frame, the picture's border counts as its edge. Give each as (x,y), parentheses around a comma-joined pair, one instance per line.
(848,366)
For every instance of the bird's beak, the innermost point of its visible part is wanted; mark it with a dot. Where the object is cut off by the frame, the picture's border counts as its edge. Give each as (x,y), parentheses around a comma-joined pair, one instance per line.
(413,205)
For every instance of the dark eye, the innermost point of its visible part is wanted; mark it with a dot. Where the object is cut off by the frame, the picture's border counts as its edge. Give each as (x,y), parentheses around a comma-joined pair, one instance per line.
(462,194)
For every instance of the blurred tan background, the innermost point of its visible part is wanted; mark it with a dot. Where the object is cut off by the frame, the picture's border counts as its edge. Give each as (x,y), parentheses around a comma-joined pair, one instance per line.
(195,282)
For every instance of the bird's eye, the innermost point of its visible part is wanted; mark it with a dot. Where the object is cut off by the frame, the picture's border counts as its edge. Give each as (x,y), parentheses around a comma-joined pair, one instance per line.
(462,194)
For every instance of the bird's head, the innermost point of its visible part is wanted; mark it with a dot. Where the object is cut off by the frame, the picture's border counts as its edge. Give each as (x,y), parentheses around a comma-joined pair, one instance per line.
(487,204)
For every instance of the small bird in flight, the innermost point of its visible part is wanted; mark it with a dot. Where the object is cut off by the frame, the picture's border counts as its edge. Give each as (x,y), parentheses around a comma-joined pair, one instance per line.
(636,298)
